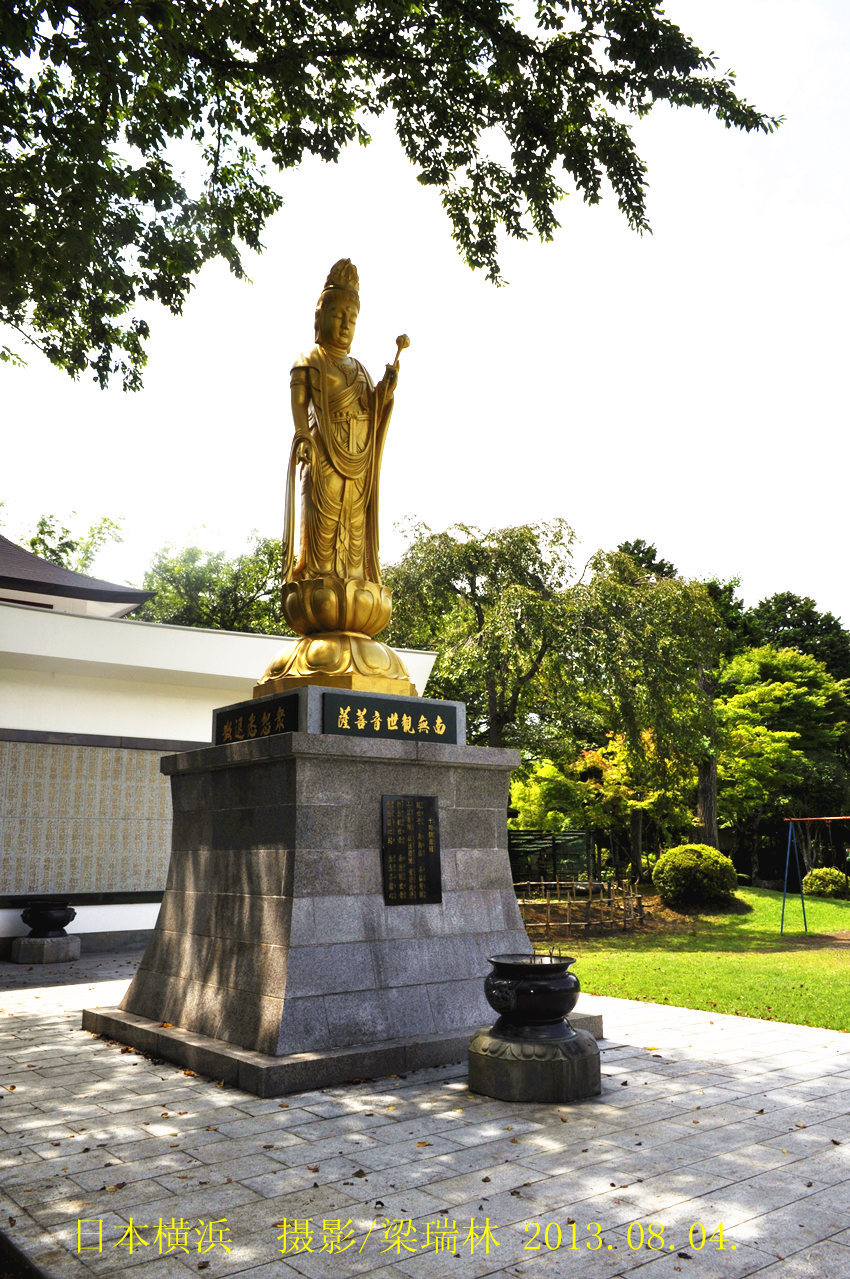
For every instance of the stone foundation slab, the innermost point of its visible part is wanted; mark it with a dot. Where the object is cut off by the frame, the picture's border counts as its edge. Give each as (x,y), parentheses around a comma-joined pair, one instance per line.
(267,1076)
(45,950)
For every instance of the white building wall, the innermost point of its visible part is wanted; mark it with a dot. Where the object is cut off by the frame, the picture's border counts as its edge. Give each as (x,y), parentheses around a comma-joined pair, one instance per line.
(71,673)
(66,679)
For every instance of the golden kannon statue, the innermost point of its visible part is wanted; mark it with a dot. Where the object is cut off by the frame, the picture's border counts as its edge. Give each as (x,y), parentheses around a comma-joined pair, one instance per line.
(333,596)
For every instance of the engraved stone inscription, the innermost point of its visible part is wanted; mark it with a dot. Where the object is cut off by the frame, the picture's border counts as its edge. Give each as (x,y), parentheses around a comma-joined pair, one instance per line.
(263,717)
(402,719)
(410,849)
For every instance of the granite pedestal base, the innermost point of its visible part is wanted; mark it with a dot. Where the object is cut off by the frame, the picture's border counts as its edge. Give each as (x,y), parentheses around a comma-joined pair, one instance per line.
(45,950)
(559,1067)
(274,936)
(268,1076)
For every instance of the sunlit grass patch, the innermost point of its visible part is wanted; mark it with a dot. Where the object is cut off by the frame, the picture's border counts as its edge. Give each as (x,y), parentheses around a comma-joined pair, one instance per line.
(734,962)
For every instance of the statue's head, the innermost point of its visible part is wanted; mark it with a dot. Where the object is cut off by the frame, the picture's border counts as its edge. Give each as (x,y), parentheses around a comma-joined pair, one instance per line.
(339,305)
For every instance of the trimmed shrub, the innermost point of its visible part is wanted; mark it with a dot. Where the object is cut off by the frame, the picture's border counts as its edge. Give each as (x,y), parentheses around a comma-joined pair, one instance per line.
(825,881)
(694,875)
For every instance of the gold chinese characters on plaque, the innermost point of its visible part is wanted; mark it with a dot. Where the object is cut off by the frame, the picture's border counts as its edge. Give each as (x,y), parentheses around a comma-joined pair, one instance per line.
(410,850)
(333,596)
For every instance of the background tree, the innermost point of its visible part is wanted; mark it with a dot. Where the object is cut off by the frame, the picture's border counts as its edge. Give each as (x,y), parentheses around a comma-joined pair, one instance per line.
(54,541)
(642,642)
(493,605)
(786,620)
(95,218)
(645,555)
(600,790)
(759,769)
(784,731)
(732,634)
(206,588)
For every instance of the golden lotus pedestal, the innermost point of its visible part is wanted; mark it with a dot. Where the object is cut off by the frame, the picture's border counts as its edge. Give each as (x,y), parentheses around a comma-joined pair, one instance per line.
(337,620)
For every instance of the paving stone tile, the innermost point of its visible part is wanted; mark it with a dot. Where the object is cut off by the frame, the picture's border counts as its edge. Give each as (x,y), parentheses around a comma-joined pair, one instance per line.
(196,1175)
(260,1214)
(146,1146)
(319,1267)
(544,1163)
(826,1260)
(488,1179)
(351,1144)
(727,1264)
(140,1170)
(279,1180)
(473,1261)
(358,1121)
(70,1203)
(230,1148)
(143,1261)
(377,1156)
(781,1233)
(746,1161)
(575,1156)
(555,1264)
(12,1156)
(279,1269)
(192,1205)
(304,1152)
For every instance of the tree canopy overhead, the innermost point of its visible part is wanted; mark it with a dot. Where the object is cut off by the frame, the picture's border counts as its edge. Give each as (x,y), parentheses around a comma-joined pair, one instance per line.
(501,114)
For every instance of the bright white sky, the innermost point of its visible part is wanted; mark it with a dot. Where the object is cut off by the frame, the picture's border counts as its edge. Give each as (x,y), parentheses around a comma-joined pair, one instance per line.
(689,387)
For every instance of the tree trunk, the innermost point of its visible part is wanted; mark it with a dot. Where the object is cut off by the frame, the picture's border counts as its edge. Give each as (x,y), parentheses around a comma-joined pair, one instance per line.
(636,842)
(495,726)
(804,843)
(707,801)
(755,868)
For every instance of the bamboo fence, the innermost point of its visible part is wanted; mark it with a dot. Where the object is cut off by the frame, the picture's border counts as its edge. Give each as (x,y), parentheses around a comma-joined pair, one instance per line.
(559,905)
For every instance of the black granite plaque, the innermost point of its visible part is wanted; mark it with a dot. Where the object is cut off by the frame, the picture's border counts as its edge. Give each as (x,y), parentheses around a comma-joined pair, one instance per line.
(403,719)
(262,717)
(410,849)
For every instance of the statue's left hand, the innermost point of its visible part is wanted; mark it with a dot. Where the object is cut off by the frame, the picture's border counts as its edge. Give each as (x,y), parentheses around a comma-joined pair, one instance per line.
(390,379)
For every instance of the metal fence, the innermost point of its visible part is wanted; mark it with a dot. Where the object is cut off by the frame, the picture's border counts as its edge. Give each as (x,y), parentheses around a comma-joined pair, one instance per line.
(542,854)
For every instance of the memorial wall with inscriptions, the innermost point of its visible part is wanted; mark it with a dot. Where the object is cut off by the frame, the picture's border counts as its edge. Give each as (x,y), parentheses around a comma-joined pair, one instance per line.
(82,819)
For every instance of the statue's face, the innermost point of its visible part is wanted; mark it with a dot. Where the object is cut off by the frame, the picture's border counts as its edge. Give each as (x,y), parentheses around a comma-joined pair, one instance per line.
(338,319)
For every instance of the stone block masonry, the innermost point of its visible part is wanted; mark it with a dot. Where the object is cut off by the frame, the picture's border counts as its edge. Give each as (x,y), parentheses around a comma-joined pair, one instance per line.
(274,937)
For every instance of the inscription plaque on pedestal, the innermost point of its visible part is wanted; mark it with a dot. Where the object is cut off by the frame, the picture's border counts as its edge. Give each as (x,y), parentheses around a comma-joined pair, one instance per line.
(400,719)
(264,718)
(410,850)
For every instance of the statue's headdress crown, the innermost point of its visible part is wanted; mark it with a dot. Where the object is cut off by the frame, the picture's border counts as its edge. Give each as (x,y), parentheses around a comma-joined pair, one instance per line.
(343,275)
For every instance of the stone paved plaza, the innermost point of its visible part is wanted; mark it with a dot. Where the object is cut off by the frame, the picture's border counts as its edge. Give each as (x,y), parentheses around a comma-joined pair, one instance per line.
(703,1119)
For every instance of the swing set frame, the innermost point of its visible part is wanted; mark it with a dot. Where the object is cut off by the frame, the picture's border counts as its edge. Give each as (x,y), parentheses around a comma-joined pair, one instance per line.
(792,838)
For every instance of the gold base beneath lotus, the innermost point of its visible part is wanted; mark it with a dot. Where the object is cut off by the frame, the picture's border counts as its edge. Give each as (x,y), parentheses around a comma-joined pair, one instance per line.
(338,659)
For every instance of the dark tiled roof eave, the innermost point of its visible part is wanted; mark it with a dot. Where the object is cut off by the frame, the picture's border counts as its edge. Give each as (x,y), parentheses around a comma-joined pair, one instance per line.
(21,570)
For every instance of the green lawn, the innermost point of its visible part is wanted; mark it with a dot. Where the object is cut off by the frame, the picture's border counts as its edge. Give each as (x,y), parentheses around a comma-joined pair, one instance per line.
(732,963)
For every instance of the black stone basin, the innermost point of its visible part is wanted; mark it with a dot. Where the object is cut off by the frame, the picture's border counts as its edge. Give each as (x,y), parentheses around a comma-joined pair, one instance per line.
(531,991)
(47,916)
